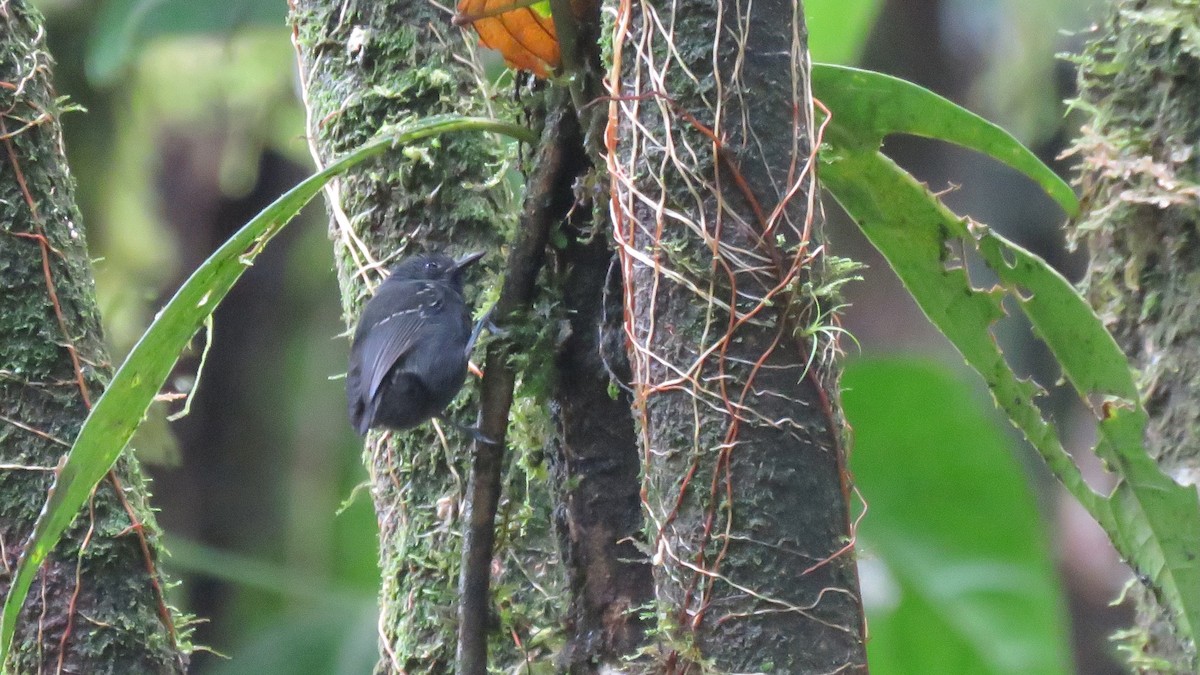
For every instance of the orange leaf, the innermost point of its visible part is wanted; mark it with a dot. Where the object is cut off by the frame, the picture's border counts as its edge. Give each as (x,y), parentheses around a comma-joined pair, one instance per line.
(514,28)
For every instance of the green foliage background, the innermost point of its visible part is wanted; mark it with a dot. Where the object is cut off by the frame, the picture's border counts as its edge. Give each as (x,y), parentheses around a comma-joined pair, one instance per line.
(958,569)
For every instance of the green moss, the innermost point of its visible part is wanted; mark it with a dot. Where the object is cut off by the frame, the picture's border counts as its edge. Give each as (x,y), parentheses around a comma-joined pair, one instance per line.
(99,565)
(377,64)
(1140,84)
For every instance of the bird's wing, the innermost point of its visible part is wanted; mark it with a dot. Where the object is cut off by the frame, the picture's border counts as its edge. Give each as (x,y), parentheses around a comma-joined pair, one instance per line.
(392,335)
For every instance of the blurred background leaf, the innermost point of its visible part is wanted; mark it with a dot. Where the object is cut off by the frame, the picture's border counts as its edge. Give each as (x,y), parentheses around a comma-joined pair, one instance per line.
(125,26)
(335,635)
(838,29)
(957,571)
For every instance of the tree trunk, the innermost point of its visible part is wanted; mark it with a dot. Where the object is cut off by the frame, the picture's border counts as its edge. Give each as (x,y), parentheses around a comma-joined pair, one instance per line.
(595,460)
(1140,77)
(364,66)
(97,605)
(714,201)
(597,466)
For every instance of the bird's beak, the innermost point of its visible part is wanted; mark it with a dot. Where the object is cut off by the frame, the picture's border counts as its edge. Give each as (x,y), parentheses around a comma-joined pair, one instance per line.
(467,260)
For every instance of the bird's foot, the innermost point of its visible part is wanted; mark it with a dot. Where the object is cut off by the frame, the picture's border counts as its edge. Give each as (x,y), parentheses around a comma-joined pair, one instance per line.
(485,322)
(474,432)
(479,437)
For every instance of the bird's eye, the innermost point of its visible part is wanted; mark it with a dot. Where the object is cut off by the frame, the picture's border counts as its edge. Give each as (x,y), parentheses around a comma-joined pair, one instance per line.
(430,266)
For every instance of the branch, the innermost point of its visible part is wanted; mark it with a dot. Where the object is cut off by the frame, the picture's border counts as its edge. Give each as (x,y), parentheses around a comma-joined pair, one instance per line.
(547,200)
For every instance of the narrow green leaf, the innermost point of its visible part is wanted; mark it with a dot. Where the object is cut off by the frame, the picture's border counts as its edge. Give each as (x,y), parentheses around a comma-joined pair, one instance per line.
(915,232)
(957,576)
(268,577)
(1151,520)
(867,106)
(123,405)
(322,641)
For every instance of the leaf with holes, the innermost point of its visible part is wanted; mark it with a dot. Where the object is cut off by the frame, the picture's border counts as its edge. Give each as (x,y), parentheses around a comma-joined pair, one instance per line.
(1153,522)
(120,410)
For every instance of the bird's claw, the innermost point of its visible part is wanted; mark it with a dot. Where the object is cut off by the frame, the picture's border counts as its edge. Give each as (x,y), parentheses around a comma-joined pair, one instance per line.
(489,320)
(479,437)
(474,432)
(485,322)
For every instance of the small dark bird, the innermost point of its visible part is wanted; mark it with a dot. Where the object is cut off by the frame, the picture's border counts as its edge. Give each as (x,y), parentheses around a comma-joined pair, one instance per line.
(409,356)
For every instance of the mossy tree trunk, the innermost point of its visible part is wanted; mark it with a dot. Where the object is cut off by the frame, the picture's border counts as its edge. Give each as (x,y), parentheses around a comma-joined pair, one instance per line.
(365,66)
(714,204)
(1140,152)
(96,606)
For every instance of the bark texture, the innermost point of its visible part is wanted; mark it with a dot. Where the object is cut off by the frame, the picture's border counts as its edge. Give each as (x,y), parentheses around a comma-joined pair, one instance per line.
(714,206)
(597,466)
(595,462)
(1140,152)
(96,605)
(364,66)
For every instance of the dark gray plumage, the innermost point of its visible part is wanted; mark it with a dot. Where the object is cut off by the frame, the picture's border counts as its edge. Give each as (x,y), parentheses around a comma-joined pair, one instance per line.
(409,356)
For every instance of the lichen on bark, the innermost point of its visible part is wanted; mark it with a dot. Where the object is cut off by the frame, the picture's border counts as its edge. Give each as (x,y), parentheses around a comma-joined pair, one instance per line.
(94,606)
(1140,173)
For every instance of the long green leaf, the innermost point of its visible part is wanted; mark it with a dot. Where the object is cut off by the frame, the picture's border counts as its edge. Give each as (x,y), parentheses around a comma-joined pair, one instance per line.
(1153,522)
(868,106)
(1154,519)
(914,231)
(123,405)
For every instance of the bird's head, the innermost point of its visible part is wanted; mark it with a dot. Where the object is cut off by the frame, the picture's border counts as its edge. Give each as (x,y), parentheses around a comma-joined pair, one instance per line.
(434,267)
